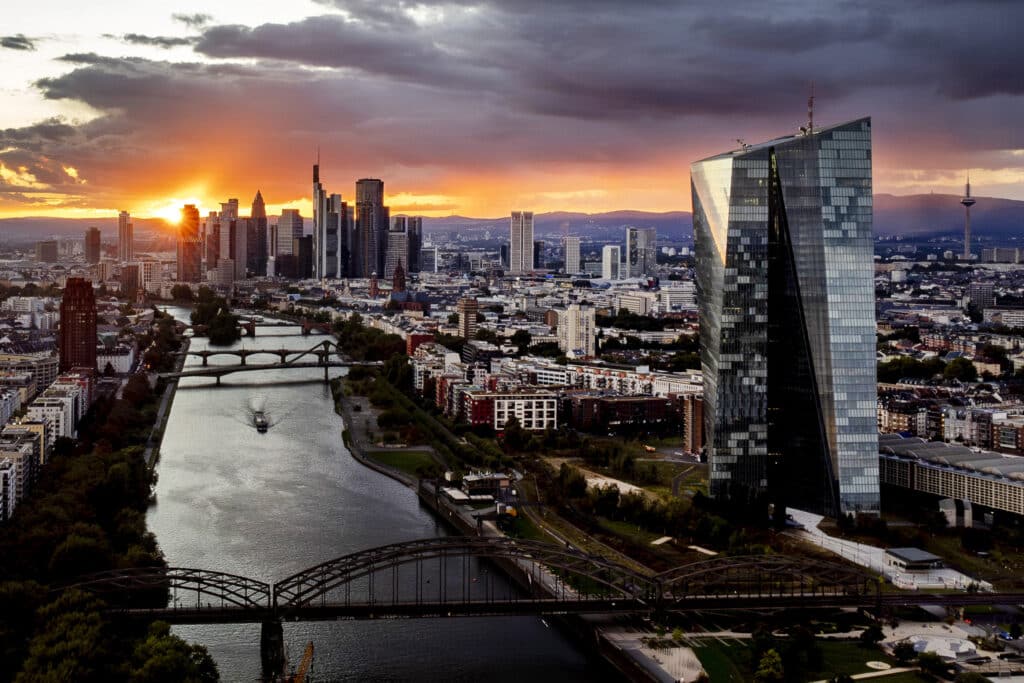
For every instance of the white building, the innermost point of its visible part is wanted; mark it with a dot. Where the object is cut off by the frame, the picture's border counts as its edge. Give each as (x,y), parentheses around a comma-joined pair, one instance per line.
(59,414)
(577,328)
(534,410)
(572,255)
(611,261)
(8,488)
(520,250)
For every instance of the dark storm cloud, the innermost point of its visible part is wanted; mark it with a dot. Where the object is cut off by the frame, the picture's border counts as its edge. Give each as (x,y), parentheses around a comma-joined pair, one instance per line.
(529,83)
(193,20)
(18,42)
(158,41)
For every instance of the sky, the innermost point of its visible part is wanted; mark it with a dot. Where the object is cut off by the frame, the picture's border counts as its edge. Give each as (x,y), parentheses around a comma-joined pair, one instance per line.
(480,107)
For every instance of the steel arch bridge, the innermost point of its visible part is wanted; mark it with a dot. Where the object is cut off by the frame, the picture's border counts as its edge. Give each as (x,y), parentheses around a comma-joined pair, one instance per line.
(432,577)
(123,587)
(764,576)
(601,577)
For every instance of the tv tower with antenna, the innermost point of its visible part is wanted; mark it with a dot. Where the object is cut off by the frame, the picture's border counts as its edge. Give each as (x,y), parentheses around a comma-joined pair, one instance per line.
(968,201)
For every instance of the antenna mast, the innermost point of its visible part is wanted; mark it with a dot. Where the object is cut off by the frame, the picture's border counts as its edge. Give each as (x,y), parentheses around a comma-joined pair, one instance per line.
(810,111)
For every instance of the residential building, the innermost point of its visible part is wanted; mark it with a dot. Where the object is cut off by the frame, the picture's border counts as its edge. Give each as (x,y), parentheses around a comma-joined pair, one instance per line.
(577,330)
(468,309)
(785,285)
(77,325)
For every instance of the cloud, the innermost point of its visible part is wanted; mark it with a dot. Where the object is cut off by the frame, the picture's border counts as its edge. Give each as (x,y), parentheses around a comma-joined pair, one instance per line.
(158,41)
(17,42)
(193,20)
(525,99)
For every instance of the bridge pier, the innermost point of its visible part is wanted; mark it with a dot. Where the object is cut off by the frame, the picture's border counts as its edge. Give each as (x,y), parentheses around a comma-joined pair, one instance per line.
(272,649)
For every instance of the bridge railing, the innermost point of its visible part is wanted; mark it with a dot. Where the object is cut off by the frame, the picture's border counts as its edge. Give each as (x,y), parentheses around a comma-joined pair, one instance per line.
(149,587)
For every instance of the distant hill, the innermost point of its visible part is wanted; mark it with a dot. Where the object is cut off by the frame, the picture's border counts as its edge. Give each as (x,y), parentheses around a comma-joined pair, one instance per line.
(918,215)
(937,214)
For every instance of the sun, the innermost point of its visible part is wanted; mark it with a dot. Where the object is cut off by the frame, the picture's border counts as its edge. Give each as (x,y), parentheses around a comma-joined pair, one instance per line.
(170,210)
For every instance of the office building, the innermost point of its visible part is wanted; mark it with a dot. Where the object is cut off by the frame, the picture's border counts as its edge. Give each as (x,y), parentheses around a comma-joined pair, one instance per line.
(46,251)
(641,252)
(577,328)
(302,248)
(371,227)
(125,237)
(611,261)
(785,289)
(430,259)
(572,255)
(468,309)
(538,254)
(190,246)
(130,281)
(92,245)
(256,258)
(414,226)
(520,251)
(397,247)
(77,325)
(330,231)
(289,229)
(210,235)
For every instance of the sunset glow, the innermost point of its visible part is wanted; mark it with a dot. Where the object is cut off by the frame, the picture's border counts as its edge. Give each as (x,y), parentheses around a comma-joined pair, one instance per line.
(138,110)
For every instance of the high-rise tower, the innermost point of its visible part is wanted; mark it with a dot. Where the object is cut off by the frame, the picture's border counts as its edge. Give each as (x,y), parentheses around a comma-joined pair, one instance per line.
(372,227)
(257,237)
(125,238)
(92,245)
(785,287)
(190,246)
(77,325)
(520,251)
(968,201)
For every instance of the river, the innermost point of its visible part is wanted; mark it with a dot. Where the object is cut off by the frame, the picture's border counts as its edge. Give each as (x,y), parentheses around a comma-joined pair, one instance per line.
(269,505)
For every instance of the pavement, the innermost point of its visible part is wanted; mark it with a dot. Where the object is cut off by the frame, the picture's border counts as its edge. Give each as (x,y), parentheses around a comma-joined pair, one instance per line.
(873,558)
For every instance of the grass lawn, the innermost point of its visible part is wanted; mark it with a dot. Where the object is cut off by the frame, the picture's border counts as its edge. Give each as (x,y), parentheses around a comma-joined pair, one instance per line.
(846,657)
(404,461)
(721,662)
(727,662)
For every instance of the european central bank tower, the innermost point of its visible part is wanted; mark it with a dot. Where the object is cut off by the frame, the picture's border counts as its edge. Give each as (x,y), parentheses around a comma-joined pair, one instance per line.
(787,321)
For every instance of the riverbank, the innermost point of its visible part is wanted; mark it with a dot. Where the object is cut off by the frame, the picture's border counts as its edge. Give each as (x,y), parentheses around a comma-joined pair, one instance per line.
(586,632)
(166,401)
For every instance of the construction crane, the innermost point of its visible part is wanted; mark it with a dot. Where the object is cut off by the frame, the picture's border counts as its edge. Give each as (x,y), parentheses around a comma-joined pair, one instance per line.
(307,661)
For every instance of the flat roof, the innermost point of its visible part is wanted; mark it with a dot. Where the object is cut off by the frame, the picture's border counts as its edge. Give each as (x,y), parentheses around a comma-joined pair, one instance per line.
(913,555)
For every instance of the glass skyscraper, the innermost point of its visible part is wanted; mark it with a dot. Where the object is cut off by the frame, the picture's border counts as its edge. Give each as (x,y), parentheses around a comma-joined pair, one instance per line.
(787,320)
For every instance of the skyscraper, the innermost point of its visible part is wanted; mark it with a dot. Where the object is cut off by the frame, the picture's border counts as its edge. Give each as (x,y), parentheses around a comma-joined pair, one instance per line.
(538,254)
(190,246)
(611,261)
(398,247)
(641,251)
(520,251)
(787,326)
(572,254)
(415,230)
(289,229)
(371,226)
(320,241)
(211,241)
(125,237)
(92,245)
(257,236)
(77,325)
(233,247)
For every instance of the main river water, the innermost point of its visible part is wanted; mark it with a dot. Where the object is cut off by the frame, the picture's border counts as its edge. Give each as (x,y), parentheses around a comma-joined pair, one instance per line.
(269,505)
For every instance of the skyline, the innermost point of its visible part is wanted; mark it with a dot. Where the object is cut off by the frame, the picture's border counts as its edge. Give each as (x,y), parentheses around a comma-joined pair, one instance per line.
(480,108)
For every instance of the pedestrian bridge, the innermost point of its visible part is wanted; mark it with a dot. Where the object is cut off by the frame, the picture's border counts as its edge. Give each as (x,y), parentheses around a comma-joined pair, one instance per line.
(327,354)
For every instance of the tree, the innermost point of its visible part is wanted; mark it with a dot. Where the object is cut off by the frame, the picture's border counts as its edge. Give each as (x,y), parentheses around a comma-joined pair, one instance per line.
(522,339)
(181,293)
(166,657)
(872,635)
(769,669)
(970,677)
(933,664)
(904,651)
(960,369)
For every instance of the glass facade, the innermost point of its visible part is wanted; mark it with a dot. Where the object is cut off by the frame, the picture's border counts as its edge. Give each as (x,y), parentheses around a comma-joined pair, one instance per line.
(786,294)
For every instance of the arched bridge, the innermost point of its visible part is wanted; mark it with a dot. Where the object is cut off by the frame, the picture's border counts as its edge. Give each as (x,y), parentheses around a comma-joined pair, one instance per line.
(449,576)
(327,354)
